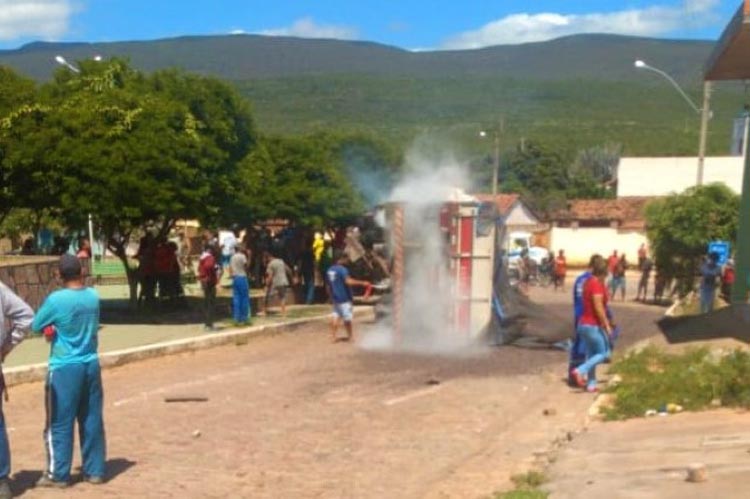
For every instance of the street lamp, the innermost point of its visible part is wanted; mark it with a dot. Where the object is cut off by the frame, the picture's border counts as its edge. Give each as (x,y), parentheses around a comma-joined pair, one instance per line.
(495,158)
(63,62)
(703,111)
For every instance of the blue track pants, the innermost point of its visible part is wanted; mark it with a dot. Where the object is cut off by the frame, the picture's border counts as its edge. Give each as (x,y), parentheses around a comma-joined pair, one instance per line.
(74,393)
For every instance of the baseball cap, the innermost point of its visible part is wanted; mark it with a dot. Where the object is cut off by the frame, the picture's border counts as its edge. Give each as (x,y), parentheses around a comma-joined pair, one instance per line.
(70,267)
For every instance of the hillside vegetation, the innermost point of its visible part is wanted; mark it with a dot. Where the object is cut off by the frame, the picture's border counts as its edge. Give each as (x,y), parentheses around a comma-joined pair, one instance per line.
(569,93)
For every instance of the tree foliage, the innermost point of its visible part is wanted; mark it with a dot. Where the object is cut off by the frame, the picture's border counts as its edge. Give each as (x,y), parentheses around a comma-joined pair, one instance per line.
(681,226)
(310,185)
(16,96)
(546,178)
(133,150)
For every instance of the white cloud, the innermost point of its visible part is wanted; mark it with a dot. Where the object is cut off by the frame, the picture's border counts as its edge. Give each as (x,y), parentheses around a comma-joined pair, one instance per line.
(524,28)
(46,19)
(308,28)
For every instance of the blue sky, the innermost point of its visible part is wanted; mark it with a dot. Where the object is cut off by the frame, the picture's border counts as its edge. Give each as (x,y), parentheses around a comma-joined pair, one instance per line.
(410,24)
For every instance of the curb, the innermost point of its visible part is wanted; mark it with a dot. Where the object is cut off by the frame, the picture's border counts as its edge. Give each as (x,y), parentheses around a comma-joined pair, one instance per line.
(38,372)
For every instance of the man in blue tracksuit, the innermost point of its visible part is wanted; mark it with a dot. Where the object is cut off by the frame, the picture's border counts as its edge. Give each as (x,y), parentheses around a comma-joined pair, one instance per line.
(578,349)
(16,313)
(69,319)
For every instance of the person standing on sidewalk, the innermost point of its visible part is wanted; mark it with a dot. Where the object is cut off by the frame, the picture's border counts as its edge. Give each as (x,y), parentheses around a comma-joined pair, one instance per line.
(560,270)
(710,273)
(69,319)
(278,276)
(18,314)
(594,327)
(240,286)
(306,268)
(646,266)
(209,271)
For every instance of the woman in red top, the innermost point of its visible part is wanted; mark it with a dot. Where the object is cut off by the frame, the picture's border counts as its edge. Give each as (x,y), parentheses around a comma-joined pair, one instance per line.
(594,327)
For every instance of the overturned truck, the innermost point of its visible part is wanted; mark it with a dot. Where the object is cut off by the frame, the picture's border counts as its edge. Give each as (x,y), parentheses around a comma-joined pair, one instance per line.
(449,282)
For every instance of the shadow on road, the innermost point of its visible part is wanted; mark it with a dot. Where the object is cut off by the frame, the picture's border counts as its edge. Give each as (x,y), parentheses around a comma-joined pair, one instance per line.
(188,310)
(729,322)
(25,480)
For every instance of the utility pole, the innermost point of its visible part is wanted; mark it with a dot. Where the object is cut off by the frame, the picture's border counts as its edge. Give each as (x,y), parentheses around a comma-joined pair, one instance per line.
(496,164)
(705,116)
(496,158)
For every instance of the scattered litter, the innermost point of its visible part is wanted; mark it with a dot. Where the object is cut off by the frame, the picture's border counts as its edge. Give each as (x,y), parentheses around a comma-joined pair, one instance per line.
(185,399)
(674,408)
(196,434)
(697,473)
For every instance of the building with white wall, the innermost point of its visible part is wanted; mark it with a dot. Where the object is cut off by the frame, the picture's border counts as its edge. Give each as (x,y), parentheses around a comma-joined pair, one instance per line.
(589,226)
(664,176)
(517,216)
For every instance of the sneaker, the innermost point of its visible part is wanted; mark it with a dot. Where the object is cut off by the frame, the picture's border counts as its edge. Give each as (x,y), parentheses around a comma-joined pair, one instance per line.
(94,480)
(48,482)
(579,379)
(592,389)
(5,492)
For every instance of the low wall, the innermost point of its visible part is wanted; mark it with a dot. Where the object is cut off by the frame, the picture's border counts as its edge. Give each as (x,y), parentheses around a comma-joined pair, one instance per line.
(580,243)
(32,278)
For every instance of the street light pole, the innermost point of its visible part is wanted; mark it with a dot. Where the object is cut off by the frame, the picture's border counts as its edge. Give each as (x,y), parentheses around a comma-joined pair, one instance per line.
(495,153)
(704,111)
(63,62)
(704,130)
(496,164)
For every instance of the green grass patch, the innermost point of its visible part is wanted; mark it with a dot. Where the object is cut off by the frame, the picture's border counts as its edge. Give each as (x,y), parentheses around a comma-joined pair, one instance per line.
(527,487)
(651,379)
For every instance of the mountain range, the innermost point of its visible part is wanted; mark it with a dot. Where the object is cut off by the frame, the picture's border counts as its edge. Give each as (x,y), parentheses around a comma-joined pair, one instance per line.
(241,57)
(571,92)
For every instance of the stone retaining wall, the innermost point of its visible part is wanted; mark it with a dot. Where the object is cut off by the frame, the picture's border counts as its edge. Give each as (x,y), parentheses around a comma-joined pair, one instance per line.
(32,278)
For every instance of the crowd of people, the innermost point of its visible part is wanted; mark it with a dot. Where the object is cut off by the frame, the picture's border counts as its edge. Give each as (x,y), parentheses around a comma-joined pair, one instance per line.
(290,261)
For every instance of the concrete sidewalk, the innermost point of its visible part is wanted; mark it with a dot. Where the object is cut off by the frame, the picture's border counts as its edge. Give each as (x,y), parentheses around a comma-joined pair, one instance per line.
(648,458)
(123,343)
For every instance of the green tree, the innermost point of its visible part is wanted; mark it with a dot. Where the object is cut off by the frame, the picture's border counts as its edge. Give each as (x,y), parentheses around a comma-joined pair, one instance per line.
(681,226)
(546,178)
(310,185)
(17,95)
(600,163)
(135,151)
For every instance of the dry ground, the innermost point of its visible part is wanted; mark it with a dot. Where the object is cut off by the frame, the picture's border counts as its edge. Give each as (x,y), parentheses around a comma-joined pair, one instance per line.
(295,416)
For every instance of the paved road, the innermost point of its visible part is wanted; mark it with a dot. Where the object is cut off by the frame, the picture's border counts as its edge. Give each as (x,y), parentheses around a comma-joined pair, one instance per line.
(649,458)
(293,415)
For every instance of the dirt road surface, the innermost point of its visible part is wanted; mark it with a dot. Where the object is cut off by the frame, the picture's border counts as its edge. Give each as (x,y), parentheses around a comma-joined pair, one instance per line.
(293,415)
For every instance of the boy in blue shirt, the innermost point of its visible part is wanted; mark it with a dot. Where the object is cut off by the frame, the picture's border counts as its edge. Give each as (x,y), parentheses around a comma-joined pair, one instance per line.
(338,282)
(69,319)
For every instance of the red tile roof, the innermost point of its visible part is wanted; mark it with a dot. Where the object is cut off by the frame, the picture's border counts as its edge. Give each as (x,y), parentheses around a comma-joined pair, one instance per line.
(504,202)
(630,212)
